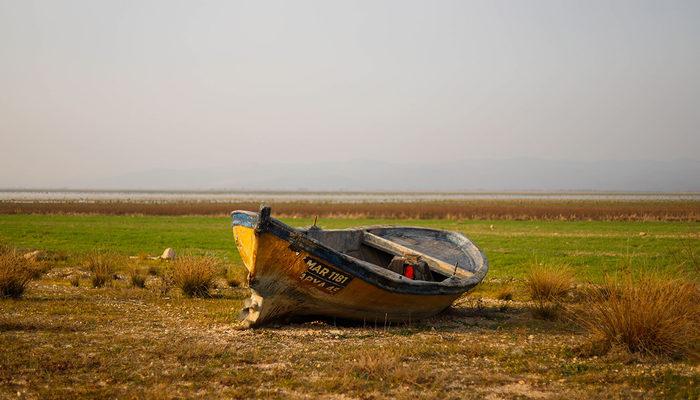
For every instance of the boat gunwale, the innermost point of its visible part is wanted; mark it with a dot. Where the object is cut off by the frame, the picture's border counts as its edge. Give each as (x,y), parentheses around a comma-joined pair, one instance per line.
(368,272)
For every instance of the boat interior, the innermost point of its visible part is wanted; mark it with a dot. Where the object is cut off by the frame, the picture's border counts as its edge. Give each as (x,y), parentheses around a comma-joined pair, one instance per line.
(415,253)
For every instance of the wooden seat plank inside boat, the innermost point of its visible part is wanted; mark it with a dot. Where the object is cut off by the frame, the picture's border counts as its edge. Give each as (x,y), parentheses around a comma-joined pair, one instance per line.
(379,251)
(436,266)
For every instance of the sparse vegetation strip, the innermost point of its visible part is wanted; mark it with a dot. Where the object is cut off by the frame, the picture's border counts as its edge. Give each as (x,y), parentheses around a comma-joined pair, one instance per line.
(473,209)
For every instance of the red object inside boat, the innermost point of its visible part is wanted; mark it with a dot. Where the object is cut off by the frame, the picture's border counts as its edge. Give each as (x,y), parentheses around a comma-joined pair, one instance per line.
(409,272)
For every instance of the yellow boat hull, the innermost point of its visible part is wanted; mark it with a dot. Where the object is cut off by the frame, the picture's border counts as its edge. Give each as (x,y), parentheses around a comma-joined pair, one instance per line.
(292,275)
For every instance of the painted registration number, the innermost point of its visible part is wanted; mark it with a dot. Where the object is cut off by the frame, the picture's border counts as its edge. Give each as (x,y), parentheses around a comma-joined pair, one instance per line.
(324,277)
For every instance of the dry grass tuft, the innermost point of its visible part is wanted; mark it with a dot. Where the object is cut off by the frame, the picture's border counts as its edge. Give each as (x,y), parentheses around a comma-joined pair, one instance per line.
(376,365)
(549,310)
(137,279)
(547,283)
(388,366)
(506,292)
(655,314)
(75,281)
(102,266)
(548,287)
(153,270)
(99,280)
(15,274)
(37,269)
(195,275)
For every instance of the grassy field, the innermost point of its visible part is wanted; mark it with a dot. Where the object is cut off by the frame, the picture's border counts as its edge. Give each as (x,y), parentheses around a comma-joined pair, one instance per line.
(593,248)
(61,341)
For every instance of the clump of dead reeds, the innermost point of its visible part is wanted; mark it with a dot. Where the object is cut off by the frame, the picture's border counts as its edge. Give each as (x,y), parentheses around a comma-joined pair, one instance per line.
(633,210)
(15,274)
(651,313)
(548,287)
(102,266)
(195,275)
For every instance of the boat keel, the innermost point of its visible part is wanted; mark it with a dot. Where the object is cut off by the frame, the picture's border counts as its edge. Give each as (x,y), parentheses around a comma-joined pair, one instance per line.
(252,310)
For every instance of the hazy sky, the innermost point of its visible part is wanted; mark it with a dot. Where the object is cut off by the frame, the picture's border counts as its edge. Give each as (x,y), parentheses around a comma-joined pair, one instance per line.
(99,88)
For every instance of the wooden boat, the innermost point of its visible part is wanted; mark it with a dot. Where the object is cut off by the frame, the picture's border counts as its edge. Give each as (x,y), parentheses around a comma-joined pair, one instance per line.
(372,274)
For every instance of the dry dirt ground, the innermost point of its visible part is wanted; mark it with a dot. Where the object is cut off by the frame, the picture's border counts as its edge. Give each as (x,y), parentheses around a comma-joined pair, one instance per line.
(119,342)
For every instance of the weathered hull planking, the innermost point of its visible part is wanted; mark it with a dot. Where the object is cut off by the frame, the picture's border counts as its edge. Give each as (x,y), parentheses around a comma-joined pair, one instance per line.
(343,273)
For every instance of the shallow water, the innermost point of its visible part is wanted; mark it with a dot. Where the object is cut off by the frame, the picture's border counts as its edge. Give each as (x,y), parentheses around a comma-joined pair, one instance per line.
(331,197)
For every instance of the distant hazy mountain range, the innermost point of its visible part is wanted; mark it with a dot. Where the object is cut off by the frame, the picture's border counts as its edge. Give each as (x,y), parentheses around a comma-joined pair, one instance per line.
(468,175)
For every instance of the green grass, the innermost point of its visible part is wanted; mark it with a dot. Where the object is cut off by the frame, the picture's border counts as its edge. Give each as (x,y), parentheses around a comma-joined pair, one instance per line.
(591,248)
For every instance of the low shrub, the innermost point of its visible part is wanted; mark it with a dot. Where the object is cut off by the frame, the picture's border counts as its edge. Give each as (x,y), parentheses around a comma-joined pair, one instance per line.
(75,281)
(651,313)
(195,275)
(15,274)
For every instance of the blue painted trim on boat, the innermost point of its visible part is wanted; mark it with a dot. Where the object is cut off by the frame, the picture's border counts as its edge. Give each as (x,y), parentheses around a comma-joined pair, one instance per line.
(244,218)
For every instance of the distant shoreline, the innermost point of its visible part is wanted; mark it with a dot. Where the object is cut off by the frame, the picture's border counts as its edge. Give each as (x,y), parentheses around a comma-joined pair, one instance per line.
(68,195)
(340,191)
